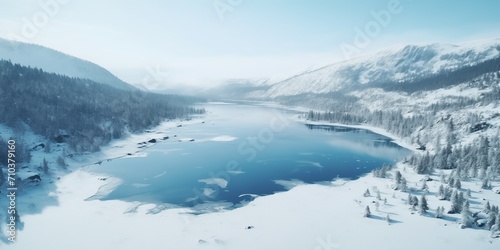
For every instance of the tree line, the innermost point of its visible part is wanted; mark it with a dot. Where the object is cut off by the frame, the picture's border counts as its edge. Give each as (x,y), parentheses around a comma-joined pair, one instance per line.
(81,112)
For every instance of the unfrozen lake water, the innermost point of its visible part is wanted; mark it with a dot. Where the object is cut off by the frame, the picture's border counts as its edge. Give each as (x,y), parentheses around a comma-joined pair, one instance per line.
(242,151)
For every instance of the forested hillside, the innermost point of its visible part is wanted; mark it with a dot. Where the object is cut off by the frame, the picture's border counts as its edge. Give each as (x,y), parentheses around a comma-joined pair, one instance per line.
(83,113)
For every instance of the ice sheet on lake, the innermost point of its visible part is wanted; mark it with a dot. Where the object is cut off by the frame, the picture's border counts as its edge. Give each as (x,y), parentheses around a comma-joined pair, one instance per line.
(224,138)
(311,163)
(215,181)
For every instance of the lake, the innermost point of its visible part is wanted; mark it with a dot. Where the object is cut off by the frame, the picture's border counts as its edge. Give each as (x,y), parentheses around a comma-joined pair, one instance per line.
(241,151)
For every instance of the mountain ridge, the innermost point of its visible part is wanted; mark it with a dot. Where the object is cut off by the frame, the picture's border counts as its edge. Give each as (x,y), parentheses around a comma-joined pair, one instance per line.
(53,61)
(400,64)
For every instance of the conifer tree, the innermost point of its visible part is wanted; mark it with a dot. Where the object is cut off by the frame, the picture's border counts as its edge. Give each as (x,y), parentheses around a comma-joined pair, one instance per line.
(457,183)
(367,212)
(367,193)
(45,166)
(466,219)
(441,194)
(422,205)
(454,202)
(439,212)
(492,217)
(487,207)
(414,202)
(403,186)
(397,178)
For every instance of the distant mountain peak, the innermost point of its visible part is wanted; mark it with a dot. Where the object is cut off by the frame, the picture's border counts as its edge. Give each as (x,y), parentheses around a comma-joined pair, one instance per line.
(390,65)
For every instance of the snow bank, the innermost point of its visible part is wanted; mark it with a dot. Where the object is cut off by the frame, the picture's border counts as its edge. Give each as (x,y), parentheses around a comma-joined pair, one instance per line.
(306,217)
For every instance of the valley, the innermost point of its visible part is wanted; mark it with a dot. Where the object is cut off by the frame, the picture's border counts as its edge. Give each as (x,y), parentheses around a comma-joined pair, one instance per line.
(254,162)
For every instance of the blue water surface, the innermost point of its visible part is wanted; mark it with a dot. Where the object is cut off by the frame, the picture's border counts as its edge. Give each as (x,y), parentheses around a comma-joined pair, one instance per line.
(268,150)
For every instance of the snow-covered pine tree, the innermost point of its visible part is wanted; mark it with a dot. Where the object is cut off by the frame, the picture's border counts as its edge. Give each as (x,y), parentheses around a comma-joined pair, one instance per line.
(487,207)
(414,202)
(388,219)
(441,194)
(367,212)
(397,179)
(439,212)
(457,184)
(367,193)
(496,227)
(492,217)
(454,200)
(494,208)
(403,186)
(448,191)
(45,166)
(485,183)
(466,219)
(422,205)
(461,200)
(442,177)
(451,181)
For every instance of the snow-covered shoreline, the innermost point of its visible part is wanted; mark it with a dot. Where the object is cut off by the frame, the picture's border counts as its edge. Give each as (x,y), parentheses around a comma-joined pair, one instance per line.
(397,140)
(310,216)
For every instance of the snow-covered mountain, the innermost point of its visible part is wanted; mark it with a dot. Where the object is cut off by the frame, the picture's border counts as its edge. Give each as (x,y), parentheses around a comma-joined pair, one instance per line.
(54,61)
(408,63)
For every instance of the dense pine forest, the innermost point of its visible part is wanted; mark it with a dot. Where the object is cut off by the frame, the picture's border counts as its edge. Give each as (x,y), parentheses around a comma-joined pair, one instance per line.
(80,112)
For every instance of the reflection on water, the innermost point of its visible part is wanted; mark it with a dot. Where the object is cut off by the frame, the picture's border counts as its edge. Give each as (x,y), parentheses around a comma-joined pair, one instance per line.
(261,153)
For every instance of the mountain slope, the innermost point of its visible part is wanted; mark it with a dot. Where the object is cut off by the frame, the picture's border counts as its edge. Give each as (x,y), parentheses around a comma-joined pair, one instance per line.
(409,63)
(89,114)
(53,61)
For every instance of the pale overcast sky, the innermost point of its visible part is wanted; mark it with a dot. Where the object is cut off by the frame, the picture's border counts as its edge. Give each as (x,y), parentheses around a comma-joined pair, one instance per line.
(205,41)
